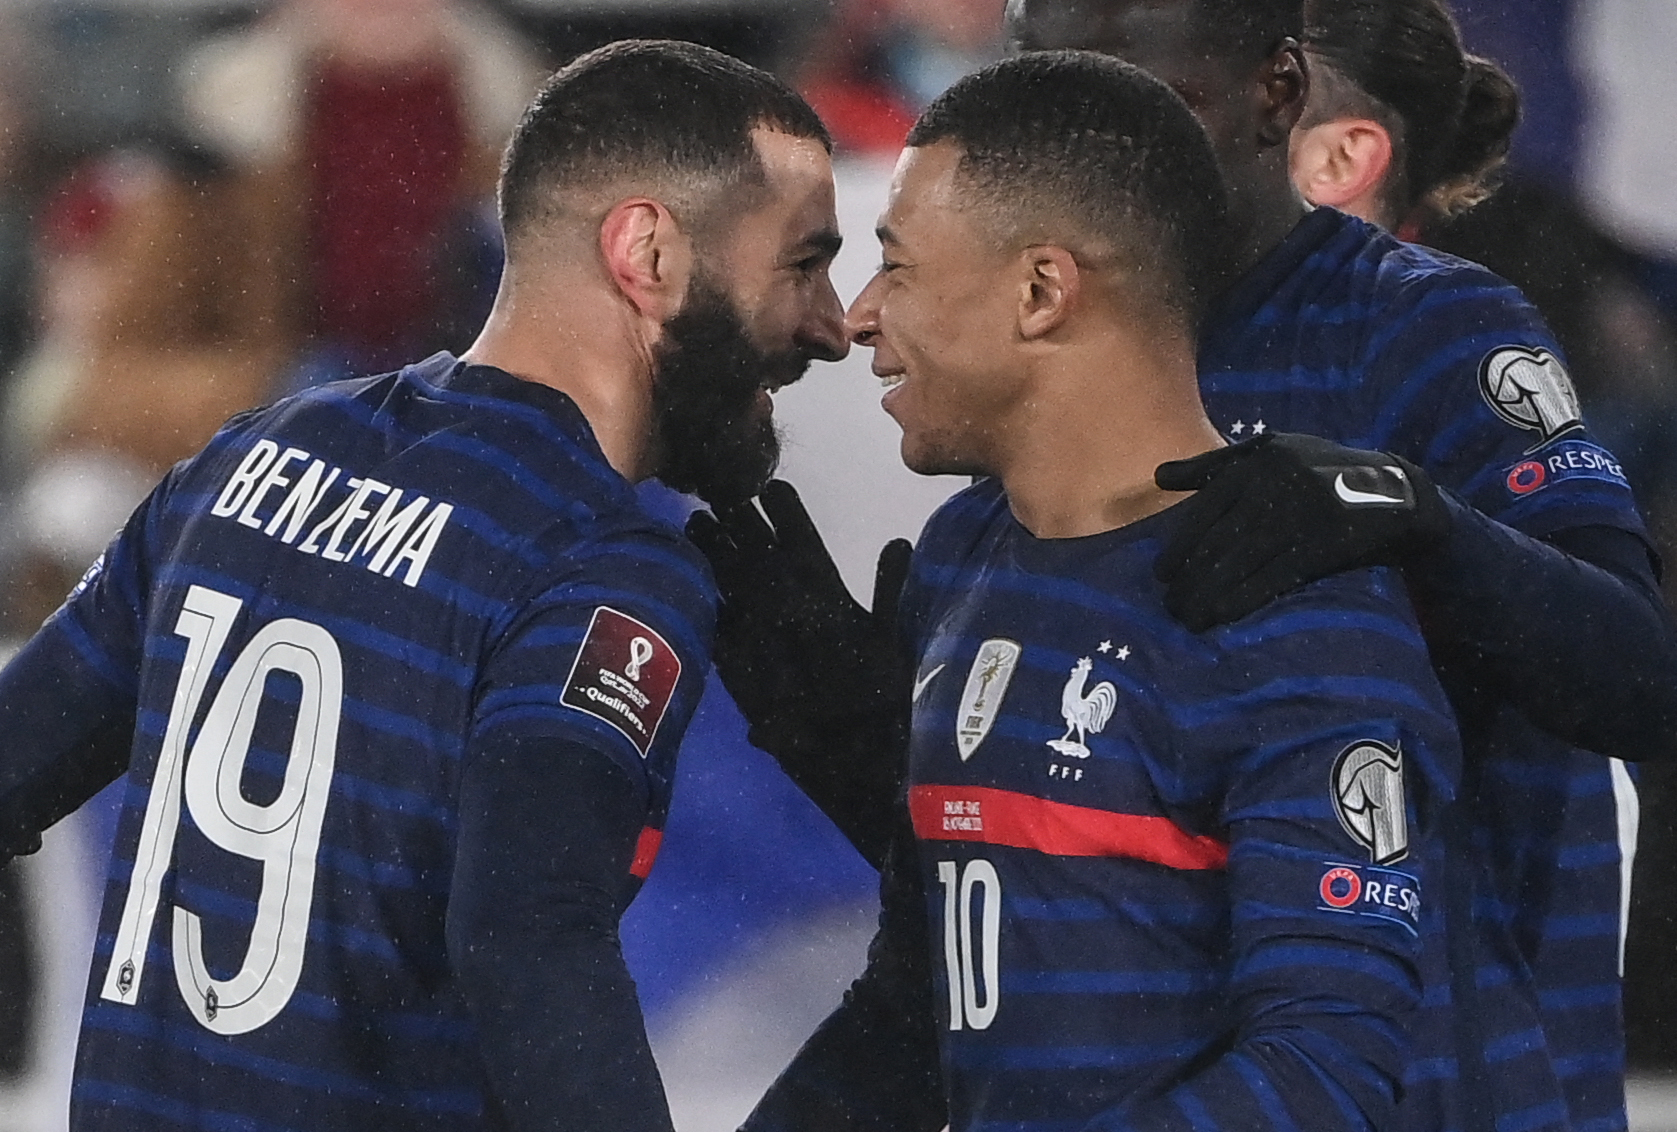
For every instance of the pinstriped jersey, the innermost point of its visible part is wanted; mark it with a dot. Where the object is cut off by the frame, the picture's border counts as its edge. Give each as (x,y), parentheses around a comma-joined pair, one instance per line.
(317,617)
(1174,881)
(1344,332)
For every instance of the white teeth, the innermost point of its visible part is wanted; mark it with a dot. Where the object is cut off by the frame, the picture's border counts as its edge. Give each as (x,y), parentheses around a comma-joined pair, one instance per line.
(889,379)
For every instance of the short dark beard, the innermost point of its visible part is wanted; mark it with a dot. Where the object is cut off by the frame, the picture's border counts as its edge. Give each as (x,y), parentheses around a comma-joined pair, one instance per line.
(712,440)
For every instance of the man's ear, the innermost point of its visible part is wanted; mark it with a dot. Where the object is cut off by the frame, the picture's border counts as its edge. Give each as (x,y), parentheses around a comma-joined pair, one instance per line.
(1049,289)
(1283,88)
(647,256)
(1343,164)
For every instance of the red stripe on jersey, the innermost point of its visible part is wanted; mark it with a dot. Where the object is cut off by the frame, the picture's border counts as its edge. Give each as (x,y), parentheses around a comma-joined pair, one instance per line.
(646,851)
(1001,817)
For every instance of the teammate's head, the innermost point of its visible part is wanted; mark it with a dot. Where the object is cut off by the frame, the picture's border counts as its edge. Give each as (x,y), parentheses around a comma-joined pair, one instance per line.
(1037,197)
(1237,64)
(1399,116)
(700,188)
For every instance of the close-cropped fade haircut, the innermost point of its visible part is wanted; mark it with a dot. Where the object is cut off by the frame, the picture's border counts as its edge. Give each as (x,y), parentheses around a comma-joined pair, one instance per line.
(671,119)
(1081,149)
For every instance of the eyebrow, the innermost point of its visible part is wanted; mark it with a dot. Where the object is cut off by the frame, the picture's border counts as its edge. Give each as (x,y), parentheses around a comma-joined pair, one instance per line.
(825,242)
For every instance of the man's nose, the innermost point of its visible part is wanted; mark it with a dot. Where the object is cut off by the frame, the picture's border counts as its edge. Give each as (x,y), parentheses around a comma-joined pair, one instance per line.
(824,337)
(861,321)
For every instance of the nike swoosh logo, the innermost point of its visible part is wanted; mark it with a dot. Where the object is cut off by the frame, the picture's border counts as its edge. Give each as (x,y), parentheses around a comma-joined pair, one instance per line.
(1349,494)
(920,684)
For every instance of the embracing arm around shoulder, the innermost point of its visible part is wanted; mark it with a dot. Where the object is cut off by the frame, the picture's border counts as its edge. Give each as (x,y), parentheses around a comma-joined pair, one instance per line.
(1474,473)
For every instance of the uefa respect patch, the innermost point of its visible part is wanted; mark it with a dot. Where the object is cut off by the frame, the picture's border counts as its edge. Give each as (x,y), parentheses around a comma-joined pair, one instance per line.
(1561,461)
(1368,890)
(624,675)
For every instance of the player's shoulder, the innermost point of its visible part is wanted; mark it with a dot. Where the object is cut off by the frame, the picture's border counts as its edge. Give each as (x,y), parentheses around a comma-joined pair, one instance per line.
(1409,277)
(1356,623)
(530,497)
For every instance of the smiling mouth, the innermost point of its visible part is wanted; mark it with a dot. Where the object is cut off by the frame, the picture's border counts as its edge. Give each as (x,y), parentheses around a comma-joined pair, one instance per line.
(891,380)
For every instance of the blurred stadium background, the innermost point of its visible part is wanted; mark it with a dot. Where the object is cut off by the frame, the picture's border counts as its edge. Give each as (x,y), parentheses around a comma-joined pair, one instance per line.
(205,204)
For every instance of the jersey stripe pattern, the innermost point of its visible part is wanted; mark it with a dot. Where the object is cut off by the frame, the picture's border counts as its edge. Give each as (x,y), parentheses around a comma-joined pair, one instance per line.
(1347,333)
(1173,881)
(328,608)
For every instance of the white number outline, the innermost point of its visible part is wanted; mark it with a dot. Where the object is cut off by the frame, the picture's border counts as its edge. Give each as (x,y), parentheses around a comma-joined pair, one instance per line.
(284,835)
(959,891)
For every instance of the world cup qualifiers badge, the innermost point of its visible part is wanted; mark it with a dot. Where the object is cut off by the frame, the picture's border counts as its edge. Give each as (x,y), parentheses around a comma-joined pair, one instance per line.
(625,674)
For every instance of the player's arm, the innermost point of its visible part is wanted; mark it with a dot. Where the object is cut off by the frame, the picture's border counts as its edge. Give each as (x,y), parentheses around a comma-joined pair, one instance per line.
(1324,981)
(548,829)
(1521,546)
(872,1066)
(581,703)
(1570,628)
(818,678)
(68,732)
(67,699)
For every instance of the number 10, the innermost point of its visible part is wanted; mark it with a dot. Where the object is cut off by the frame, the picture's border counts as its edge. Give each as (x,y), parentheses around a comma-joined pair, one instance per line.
(962,965)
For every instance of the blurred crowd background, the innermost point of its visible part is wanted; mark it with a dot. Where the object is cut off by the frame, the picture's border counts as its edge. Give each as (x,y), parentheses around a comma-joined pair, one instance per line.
(205,204)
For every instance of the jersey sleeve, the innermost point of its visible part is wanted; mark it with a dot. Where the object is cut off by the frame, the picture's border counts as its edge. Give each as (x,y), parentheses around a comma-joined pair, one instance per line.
(612,655)
(68,699)
(544,858)
(1472,386)
(1341,753)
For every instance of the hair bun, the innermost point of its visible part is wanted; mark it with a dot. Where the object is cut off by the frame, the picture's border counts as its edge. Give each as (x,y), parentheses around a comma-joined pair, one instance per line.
(1467,168)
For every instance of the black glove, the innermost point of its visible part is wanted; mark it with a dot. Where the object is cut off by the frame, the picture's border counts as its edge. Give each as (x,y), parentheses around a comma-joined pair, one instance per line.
(1274,513)
(820,679)
(19,843)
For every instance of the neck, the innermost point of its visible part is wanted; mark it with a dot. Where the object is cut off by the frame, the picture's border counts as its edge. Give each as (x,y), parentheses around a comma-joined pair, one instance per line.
(583,342)
(1081,456)
(1263,215)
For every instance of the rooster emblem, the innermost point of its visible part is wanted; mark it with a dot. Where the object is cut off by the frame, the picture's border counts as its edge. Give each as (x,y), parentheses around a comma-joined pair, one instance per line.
(1083,711)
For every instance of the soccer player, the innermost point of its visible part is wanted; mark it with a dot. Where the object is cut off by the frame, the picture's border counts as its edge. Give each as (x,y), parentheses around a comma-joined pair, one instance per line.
(1517,537)
(398,667)
(1143,848)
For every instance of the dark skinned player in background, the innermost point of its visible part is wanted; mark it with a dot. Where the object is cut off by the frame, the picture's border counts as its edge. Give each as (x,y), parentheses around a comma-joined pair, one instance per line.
(1530,568)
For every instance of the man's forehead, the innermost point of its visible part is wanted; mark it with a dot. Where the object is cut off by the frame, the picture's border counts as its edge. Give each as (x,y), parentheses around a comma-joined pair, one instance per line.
(792,160)
(922,185)
(797,203)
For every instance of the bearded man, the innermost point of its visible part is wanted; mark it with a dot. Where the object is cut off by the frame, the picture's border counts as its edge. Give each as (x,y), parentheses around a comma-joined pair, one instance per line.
(398,667)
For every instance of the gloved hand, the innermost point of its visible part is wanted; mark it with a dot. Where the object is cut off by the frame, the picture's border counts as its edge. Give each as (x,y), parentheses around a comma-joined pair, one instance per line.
(17,843)
(819,678)
(1274,513)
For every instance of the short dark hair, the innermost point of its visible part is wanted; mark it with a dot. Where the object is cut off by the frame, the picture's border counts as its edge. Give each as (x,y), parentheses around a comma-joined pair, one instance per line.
(672,113)
(1401,63)
(1084,140)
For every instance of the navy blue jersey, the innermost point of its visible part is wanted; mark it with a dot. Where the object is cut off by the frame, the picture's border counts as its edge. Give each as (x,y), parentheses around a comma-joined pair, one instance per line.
(1345,332)
(315,619)
(1173,881)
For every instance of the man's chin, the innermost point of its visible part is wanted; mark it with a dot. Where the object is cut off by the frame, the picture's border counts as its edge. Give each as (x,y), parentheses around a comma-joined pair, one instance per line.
(733,472)
(930,459)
